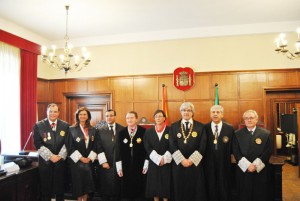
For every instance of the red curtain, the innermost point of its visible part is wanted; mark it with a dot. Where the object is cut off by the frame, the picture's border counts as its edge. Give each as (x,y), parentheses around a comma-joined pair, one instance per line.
(29,52)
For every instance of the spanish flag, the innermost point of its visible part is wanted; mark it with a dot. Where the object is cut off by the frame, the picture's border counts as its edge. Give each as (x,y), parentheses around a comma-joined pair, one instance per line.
(164,102)
(217,94)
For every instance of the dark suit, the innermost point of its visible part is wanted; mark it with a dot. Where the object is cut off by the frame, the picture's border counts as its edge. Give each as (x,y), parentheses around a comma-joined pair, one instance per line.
(108,178)
(252,185)
(51,174)
(217,163)
(188,181)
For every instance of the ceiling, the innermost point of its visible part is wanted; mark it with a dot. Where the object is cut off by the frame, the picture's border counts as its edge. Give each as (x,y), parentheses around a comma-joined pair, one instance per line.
(95,22)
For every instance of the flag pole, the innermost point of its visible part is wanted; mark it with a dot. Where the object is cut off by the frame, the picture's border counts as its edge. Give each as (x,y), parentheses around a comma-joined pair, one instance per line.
(217,94)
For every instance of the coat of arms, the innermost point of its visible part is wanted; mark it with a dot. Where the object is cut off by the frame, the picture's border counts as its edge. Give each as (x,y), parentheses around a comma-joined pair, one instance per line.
(183,78)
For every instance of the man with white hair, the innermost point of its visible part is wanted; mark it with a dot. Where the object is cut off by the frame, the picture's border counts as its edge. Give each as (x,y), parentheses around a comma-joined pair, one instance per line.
(217,160)
(252,148)
(187,146)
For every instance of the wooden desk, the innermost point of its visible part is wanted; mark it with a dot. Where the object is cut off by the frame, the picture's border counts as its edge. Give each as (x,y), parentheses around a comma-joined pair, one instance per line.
(21,186)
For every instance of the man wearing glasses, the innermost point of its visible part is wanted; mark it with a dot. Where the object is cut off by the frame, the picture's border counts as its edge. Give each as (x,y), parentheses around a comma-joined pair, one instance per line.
(252,148)
(109,181)
(187,145)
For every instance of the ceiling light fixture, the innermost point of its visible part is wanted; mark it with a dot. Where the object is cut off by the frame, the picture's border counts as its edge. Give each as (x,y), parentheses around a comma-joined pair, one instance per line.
(281,46)
(66,61)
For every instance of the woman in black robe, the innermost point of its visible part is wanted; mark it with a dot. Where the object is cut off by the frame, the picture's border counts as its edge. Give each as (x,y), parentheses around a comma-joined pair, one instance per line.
(81,149)
(156,141)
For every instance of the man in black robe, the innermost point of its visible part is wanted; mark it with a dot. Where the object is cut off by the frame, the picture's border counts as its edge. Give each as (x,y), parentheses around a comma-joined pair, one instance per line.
(108,178)
(187,146)
(252,148)
(217,160)
(131,160)
(49,140)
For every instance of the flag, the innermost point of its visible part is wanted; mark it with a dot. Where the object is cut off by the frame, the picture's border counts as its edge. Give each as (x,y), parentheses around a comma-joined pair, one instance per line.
(164,102)
(217,94)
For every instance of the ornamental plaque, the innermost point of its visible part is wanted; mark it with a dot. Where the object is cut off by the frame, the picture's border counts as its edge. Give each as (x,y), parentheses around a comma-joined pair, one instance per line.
(183,78)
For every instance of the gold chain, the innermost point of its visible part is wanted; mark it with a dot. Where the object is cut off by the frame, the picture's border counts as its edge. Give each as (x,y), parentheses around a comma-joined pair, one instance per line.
(183,133)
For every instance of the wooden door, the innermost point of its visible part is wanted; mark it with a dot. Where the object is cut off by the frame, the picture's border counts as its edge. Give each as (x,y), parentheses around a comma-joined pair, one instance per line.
(97,104)
(298,122)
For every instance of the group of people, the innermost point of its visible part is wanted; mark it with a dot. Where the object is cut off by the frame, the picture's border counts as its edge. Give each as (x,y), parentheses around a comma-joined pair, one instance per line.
(188,161)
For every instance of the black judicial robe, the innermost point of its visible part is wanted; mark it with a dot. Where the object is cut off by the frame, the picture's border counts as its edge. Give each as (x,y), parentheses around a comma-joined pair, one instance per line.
(82,179)
(252,186)
(51,174)
(108,178)
(189,183)
(217,163)
(158,177)
(133,181)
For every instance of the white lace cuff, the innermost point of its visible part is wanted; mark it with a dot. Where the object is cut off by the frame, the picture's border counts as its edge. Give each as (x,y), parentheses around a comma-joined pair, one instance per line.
(45,153)
(244,164)
(178,157)
(146,165)
(75,156)
(92,156)
(155,157)
(196,158)
(119,166)
(167,157)
(259,164)
(102,158)
(63,152)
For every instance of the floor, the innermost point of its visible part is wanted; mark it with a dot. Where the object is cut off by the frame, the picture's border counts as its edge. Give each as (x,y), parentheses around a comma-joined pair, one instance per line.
(290,183)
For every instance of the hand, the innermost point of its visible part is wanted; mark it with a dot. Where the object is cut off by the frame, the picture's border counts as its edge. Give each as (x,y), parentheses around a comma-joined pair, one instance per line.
(120,173)
(105,166)
(186,163)
(162,162)
(55,158)
(85,160)
(251,168)
(144,170)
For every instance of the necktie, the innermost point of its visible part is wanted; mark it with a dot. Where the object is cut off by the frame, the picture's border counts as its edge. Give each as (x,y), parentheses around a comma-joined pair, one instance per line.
(251,132)
(53,126)
(217,130)
(187,126)
(112,133)
(216,138)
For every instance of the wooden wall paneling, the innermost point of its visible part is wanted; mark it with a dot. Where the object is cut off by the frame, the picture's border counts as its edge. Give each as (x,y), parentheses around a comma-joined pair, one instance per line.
(251,85)
(58,87)
(173,111)
(41,110)
(145,88)
(172,92)
(231,112)
(228,85)
(77,85)
(146,109)
(42,87)
(201,88)
(121,109)
(202,110)
(98,85)
(123,88)
(277,79)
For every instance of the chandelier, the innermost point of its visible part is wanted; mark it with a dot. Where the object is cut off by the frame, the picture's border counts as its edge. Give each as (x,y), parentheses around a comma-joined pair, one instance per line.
(281,46)
(66,61)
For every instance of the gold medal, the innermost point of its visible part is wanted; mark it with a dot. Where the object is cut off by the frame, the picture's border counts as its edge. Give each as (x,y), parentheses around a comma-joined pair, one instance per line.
(62,133)
(215,141)
(185,141)
(139,140)
(45,139)
(49,137)
(258,141)
(167,136)
(130,145)
(225,139)
(194,134)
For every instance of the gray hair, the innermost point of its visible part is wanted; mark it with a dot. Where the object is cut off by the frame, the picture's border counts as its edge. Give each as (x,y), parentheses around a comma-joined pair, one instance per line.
(217,107)
(186,105)
(251,111)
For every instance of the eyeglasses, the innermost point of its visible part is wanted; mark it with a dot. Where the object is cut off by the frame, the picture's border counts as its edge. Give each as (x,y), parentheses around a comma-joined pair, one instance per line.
(158,116)
(186,110)
(249,118)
